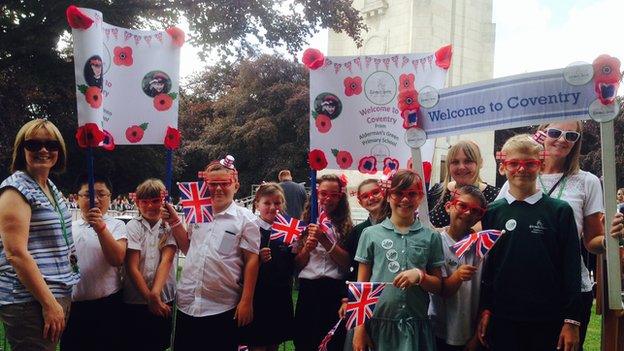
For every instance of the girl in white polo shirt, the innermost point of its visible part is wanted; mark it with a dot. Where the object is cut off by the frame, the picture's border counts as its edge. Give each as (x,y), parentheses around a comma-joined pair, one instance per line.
(100,242)
(215,291)
(149,288)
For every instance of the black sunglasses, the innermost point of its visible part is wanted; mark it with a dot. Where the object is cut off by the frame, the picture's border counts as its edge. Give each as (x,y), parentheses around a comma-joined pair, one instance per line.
(569,135)
(34,145)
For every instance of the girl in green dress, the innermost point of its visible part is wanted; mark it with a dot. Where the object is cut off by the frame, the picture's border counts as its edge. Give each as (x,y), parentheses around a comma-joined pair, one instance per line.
(408,256)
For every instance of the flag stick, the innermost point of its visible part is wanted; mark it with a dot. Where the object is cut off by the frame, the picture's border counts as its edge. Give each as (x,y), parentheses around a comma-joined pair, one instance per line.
(91,177)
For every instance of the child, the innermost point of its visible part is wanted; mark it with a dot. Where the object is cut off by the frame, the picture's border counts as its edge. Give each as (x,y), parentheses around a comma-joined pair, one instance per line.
(101,242)
(149,288)
(402,252)
(454,313)
(531,278)
(324,266)
(273,306)
(216,289)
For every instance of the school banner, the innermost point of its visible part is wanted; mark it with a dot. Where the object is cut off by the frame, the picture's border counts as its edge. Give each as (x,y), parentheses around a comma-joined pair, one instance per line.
(126,80)
(572,93)
(361,107)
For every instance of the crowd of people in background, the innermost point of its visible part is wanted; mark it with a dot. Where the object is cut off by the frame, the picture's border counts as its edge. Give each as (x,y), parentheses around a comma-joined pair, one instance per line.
(531,291)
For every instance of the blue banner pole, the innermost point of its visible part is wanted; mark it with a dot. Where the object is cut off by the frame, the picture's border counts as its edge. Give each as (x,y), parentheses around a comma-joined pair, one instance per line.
(91,178)
(313,197)
(169,176)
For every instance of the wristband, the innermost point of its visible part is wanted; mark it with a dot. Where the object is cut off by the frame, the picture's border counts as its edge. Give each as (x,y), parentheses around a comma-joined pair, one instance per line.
(176,223)
(332,248)
(572,321)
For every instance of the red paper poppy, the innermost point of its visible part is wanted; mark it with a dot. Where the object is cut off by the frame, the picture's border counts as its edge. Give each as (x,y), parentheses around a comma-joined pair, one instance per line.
(343,158)
(406,82)
(89,135)
(606,78)
(94,96)
(368,164)
(162,102)
(323,123)
(313,58)
(108,143)
(172,138)
(427,171)
(353,85)
(317,160)
(77,19)
(408,100)
(177,36)
(134,134)
(391,163)
(123,56)
(443,56)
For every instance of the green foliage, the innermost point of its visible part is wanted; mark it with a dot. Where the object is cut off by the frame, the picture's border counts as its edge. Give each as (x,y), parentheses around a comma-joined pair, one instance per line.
(37,78)
(255,111)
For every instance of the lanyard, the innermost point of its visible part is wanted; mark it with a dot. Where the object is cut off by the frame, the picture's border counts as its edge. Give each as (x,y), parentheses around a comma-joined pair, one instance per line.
(563,181)
(57,209)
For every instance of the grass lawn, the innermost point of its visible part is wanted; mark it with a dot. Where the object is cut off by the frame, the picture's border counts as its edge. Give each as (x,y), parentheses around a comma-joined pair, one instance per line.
(592,342)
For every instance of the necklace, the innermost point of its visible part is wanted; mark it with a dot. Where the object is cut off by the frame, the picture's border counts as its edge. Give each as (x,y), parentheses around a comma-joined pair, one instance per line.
(561,180)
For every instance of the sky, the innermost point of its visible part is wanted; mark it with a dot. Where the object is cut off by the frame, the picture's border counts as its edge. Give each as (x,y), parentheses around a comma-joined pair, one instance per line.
(531,35)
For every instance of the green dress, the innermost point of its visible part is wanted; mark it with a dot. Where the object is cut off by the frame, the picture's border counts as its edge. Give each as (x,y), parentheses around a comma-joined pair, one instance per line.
(400,321)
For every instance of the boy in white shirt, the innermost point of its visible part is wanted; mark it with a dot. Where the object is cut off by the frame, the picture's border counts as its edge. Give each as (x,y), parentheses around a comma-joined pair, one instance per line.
(216,289)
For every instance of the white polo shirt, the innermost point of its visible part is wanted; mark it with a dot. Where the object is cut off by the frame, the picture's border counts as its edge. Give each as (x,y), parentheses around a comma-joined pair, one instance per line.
(150,241)
(454,318)
(98,278)
(321,265)
(212,277)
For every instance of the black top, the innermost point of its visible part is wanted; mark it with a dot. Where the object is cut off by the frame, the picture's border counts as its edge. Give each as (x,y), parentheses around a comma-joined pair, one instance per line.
(278,272)
(533,271)
(295,198)
(437,214)
(351,244)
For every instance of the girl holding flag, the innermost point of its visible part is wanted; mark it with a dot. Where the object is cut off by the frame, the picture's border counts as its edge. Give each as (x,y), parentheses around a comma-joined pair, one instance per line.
(402,252)
(273,307)
(323,266)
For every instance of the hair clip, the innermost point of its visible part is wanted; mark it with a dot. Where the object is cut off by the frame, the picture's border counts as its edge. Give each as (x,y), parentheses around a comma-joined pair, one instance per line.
(343,182)
(500,156)
(353,193)
(455,194)
(132,196)
(539,137)
(543,154)
(386,179)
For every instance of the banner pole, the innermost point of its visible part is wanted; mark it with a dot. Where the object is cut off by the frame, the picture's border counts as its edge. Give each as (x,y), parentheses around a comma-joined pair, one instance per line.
(423,208)
(91,177)
(313,197)
(169,174)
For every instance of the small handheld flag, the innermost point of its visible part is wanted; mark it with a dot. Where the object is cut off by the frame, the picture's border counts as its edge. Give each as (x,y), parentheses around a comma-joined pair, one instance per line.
(196,204)
(363,296)
(325,342)
(326,225)
(286,229)
(484,241)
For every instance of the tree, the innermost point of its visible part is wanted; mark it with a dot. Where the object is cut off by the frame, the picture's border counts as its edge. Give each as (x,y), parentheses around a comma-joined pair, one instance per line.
(256,110)
(37,79)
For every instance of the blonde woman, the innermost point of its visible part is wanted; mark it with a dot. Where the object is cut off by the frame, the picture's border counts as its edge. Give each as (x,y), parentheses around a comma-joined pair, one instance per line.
(463,163)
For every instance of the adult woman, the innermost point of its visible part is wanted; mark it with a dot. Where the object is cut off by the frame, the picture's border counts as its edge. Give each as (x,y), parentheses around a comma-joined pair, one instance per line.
(562,178)
(37,256)
(463,163)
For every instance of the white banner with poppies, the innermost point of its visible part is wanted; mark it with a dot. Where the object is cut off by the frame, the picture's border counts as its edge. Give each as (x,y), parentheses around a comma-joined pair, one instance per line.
(127,81)
(361,107)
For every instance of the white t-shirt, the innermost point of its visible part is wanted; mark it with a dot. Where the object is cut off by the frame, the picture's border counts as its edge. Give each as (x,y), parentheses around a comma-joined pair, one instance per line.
(98,278)
(150,241)
(583,192)
(212,277)
(454,318)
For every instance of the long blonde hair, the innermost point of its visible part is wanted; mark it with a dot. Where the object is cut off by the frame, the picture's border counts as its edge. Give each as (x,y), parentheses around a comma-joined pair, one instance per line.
(18,161)
(472,152)
(571,164)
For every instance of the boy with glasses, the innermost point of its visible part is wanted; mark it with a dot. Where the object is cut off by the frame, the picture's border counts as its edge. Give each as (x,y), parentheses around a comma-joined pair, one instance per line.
(530,293)
(454,312)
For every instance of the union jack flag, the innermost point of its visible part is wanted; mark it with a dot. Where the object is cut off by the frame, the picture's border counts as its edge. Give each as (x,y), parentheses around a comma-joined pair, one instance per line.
(326,225)
(286,229)
(328,337)
(363,297)
(484,241)
(196,203)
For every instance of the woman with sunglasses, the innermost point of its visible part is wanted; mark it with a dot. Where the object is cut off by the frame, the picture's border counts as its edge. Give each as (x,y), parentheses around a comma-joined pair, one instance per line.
(37,254)
(562,178)
(463,163)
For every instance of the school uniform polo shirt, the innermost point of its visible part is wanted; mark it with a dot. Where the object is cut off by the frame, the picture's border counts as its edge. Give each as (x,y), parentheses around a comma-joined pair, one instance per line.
(532,274)
(150,240)
(212,277)
(321,265)
(98,278)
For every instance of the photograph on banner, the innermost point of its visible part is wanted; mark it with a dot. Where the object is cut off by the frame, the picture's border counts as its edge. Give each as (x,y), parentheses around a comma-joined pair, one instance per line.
(517,101)
(127,81)
(360,107)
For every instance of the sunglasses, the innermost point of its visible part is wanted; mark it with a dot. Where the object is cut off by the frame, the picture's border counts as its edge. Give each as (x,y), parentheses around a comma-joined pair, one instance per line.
(468,208)
(569,135)
(329,194)
(157,201)
(530,165)
(367,195)
(34,145)
(401,194)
